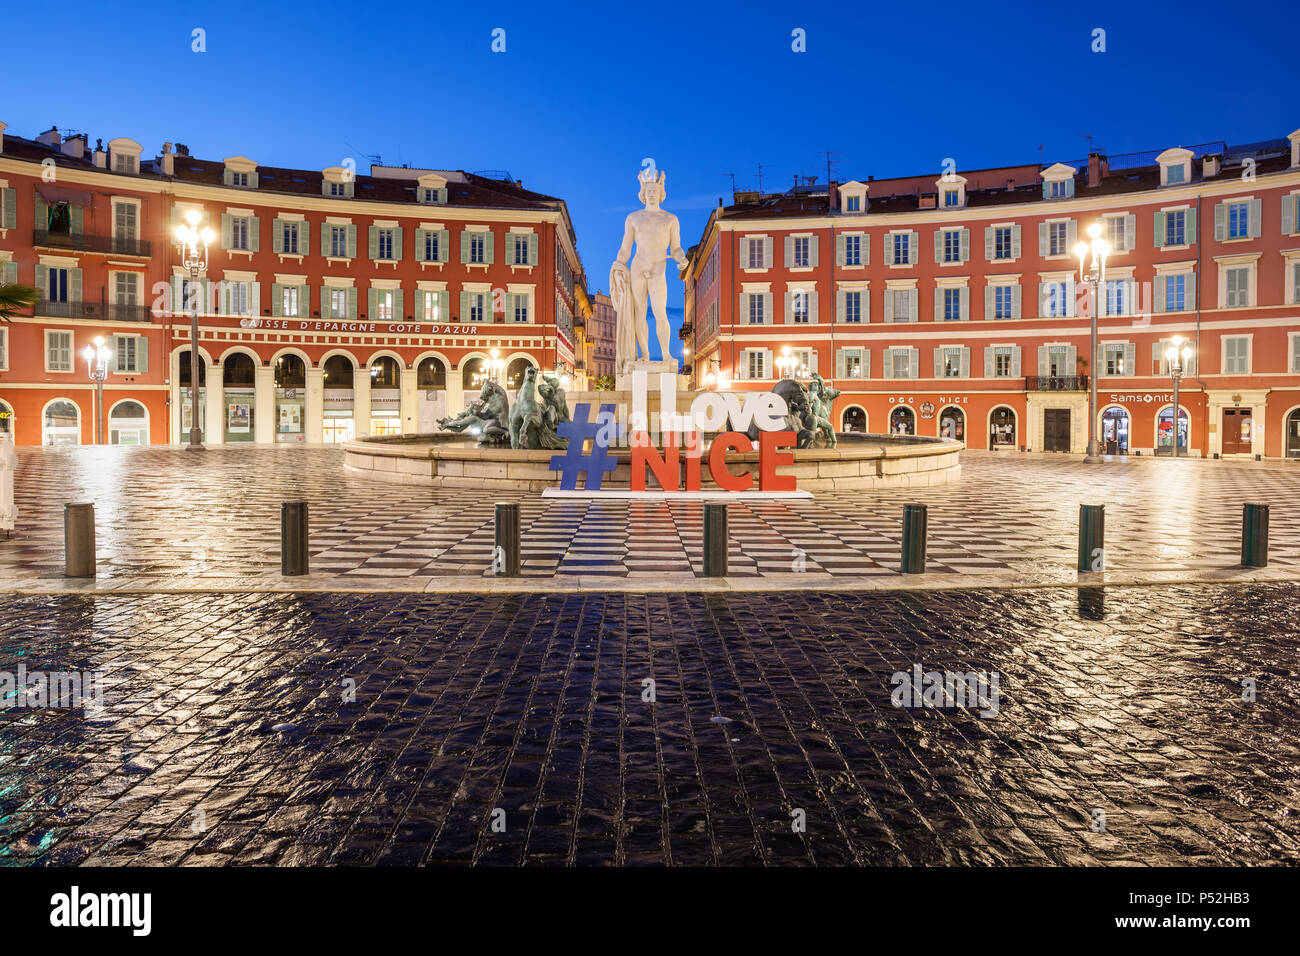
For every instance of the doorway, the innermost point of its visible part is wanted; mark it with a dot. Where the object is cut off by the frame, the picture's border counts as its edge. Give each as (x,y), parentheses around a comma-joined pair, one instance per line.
(902,421)
(1002,428)
(1114,431)
(1238,431)
(1293,434)
(1056,429)
(952,424)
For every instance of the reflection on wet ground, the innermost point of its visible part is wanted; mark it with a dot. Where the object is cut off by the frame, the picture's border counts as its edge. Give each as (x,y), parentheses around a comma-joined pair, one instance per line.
(661,728)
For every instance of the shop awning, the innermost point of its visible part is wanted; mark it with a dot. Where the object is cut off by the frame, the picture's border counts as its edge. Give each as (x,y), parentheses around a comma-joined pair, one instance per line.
(53,194)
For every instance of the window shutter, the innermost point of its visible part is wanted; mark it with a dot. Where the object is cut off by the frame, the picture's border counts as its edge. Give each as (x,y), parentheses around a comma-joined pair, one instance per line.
(840,255)
(1130,358)
(1220,221)
(839,364)
(78,216)
(74,285)
(1256,210)
(864,244)
(1047,189)
(768,317)
(464,246)
(254,234)
(444,306)
(42,215)
(532,249)
(372,301)
(1159,228)
(864,306)
(1289,204)
(912,301)
(989,235)
(464,306)
(789,251)
(938,245)
(965,244)
(419,246)
(1158,293)
(1072,297)
(489,246)
(989,302)
(789,307)
(1071,234)
(225,230)
(418,308)
(1042,239)
(42,280)
(399,308)
(814,258)
(397,242)
(938,362)
(10,273)
(988,361)
(767,252)
(1189,293)
(813,314)
(352,242)
(277,299)
(914,248)
(1130,232)
(742,252)
(1191,227)
(1015,301)
(914,363)
(1042,361)
(841,309)
(889,305)
(965,302)
(965,361)
(11,208)
(373,250)
(1042,300)
(1071,359)
(114,343)
(938,304)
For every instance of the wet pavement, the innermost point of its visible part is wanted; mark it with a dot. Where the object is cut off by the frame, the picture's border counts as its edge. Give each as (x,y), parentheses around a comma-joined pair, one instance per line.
(508,729)
(170,519)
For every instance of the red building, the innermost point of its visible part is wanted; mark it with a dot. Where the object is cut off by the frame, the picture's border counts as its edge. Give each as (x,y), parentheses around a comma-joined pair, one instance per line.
(952,304)
(333,305)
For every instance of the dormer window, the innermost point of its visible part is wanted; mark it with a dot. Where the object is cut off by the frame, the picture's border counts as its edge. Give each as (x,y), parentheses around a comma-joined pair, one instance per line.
(1058,181)
(951,197)
(1175,166)
(431,189)
(124,155)
(240,173)
(1293,137)
(853,196)
(338,183)
(950,191)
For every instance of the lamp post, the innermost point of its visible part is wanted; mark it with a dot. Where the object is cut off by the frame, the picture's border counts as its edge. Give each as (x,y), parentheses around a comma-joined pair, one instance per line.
(97,357)
(1093,272)
(1179,356)
(193,243)
(786,363)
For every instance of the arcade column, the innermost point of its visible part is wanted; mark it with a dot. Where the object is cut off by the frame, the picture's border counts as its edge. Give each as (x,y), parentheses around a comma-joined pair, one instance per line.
(314,413)
(409,397)
(455,394)
(361,401)
(214,431)
(264,405)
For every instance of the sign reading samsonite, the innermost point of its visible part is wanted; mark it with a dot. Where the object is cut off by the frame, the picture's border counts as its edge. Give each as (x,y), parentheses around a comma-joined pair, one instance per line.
(1140,398)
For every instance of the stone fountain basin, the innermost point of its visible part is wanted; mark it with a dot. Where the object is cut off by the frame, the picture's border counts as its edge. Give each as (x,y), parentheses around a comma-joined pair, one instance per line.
(448,460)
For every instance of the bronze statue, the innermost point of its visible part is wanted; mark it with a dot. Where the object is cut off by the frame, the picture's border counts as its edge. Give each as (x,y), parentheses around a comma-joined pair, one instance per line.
(799,418)
(555,410)
(488,417)
(820,397)
(526,414)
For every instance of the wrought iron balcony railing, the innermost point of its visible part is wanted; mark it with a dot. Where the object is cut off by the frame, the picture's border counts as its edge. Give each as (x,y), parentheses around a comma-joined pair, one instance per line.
(1056,383)
(80,242)
(104,312)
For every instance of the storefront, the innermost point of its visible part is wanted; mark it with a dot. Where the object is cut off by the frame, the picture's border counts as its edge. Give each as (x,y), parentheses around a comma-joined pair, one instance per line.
(290,399)
(238,397)
(1002,428)
(62,423)
(1292,428)
(185,381)
(385,396)
(1115,424)
(128,424)
(854,419)
(952,423)
(902,421)
(1165,431)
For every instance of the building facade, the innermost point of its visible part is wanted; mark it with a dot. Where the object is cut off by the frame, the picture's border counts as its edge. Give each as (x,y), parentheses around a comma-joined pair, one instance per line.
(953,304)
(600,334)
(333,305)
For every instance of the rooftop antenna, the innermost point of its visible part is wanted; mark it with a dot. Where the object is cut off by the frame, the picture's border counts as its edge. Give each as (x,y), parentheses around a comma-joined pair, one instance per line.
(760,178)
(375,160)
(830,165)
(733,181)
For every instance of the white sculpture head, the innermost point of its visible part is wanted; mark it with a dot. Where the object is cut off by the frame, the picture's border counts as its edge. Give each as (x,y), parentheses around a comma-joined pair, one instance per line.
(653,188)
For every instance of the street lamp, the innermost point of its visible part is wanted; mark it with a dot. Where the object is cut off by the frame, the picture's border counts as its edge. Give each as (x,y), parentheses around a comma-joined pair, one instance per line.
(1179,356)
(97,357)
(1093,272)
(786,363)
(193,243)
(495,366)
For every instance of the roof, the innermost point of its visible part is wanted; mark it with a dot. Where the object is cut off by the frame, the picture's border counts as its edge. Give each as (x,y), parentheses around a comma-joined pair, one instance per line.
(471,190)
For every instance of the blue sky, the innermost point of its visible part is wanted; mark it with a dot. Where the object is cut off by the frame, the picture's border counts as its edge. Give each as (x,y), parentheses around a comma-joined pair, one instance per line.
(584,92)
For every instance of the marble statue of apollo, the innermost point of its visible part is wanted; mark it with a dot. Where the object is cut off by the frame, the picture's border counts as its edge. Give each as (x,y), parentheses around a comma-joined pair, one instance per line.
(653,230)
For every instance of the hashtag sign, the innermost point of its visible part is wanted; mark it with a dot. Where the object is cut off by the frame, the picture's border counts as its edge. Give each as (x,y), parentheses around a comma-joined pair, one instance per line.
(576,459)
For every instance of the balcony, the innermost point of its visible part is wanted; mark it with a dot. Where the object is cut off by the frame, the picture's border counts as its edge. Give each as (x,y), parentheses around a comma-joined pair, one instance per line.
(80,242)
(686,329)
(95,311)
(1056,383)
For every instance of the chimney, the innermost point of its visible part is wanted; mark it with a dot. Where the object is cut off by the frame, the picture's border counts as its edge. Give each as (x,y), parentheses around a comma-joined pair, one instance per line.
(75,146)
(182,149)
(100,157)
(1209,167)
(1094,169)
(833,196)
(168,160)
(1011,185)
(50,137)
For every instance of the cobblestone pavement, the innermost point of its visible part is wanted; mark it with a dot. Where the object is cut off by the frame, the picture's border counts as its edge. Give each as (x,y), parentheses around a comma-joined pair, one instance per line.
(225,736)
(168,518)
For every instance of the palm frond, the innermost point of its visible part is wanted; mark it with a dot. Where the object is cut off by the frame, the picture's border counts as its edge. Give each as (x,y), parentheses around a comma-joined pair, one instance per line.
(14,297)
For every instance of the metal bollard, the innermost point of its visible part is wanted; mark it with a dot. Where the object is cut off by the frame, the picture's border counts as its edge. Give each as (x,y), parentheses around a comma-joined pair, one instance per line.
(505,557)
(293,538)
(1254,536)
(915,525)
(715,540)
(1092,537)
(79,540)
